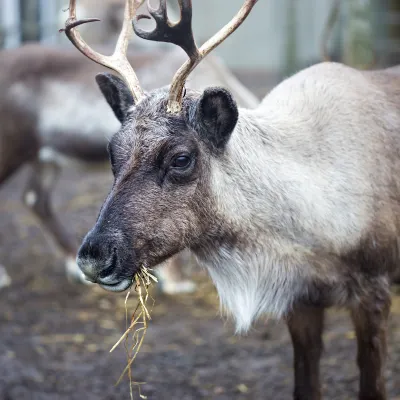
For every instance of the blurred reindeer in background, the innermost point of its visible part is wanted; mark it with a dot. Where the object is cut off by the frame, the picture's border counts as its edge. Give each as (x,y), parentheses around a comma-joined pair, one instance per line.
(49,111)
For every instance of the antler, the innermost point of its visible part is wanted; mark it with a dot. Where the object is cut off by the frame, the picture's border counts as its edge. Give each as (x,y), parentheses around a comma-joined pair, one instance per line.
(181,34)
(118,60)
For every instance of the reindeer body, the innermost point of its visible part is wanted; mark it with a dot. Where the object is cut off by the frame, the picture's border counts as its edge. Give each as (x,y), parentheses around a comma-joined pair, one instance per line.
(308,190)
(49,112)
(307,197)
(292,207)
(293,210)
(40,82)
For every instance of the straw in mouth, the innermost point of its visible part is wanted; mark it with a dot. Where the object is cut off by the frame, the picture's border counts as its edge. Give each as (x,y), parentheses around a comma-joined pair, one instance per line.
(137,327)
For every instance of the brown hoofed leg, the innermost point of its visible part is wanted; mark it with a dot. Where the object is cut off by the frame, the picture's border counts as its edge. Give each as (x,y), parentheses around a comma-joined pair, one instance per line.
(305,327)
(37,197)
(370,319)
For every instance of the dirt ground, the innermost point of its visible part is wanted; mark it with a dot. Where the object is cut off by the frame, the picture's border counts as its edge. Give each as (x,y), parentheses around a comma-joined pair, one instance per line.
(55,337)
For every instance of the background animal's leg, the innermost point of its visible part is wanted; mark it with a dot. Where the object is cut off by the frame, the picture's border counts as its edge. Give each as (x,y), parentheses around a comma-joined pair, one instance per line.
(305,327)
(5,279)
(370,319)
(171,277)
(37,197)
(17,147)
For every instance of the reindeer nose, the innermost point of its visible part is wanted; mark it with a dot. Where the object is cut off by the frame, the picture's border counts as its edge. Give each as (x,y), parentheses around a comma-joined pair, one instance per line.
(97,257)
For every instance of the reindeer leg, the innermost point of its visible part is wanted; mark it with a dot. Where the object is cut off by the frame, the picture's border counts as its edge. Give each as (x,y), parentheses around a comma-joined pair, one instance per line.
(305,327)
(171,278)
(5,279)
(370,317)
(13,154)
(37,197)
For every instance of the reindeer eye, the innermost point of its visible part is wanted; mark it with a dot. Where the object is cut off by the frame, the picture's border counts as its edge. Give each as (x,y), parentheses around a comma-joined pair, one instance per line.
(181,161)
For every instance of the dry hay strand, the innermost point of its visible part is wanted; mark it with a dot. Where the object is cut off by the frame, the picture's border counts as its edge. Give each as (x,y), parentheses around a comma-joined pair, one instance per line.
(137,328)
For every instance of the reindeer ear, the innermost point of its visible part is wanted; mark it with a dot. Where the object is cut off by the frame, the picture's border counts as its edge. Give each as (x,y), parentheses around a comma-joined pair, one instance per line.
(215,116)
(116,93)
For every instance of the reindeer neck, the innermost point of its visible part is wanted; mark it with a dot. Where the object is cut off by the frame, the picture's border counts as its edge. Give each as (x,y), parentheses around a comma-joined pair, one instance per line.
(246,180)
(267,182)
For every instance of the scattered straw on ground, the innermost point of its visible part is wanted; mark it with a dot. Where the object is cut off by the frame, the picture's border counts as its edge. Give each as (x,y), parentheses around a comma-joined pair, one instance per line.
(136,329)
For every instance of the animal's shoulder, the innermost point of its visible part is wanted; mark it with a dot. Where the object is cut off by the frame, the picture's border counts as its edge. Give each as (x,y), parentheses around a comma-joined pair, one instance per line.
(332,88)
(326,79)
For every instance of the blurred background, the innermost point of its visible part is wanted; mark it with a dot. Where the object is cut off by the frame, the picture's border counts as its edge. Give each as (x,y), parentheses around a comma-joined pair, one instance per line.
(55,335)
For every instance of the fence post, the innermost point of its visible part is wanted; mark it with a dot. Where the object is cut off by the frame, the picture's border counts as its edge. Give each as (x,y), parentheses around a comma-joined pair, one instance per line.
(291,38)
(392,45)
(10,22)
(49,20)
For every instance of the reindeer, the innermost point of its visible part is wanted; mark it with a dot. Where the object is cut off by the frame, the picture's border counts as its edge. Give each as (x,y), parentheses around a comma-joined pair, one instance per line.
(292,207)
(46,103)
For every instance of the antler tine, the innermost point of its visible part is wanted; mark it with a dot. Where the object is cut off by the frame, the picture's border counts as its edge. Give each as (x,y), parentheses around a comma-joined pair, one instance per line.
(178,82)
(179,33)
(160,13)
(118,60)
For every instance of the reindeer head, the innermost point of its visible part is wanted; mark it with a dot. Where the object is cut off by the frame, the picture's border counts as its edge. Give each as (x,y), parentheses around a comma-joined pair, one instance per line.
(161,200)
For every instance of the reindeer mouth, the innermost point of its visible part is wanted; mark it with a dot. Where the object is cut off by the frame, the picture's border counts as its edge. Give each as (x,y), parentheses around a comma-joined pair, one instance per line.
(108,265)
(109,279)
(117,286)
